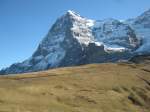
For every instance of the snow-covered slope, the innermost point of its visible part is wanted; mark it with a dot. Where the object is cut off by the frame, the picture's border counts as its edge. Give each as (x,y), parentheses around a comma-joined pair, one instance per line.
(141,26)
(115,35)
(75,40)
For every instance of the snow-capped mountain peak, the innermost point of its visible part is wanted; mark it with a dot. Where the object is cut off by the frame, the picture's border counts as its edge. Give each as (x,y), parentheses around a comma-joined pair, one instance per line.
(77,17)
(73,13)
(141,26)
(75,40)
(144,19)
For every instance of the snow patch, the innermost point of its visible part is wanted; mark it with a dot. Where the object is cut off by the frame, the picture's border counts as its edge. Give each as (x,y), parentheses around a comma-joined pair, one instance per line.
(114,49)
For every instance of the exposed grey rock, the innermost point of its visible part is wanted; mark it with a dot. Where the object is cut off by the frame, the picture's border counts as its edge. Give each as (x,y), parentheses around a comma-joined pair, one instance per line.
(75,40)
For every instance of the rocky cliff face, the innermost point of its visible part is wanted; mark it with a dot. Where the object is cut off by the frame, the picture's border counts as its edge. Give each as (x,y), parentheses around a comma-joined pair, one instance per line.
(141,26)
(75,40)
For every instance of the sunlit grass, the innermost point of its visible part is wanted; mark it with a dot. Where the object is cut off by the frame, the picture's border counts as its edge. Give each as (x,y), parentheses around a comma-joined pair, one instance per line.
(90,88)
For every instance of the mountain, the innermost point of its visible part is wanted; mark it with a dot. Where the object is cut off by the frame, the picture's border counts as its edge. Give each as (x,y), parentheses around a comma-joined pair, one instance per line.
(141,26)
(76,40)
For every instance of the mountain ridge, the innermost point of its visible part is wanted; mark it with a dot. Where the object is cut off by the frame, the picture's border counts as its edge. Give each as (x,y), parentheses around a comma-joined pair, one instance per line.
(76,40)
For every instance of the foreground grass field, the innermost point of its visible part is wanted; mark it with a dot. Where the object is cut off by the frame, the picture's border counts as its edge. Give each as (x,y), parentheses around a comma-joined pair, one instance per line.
(90,88)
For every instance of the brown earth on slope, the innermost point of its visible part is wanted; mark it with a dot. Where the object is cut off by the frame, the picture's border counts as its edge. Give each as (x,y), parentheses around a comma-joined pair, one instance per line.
(90,88)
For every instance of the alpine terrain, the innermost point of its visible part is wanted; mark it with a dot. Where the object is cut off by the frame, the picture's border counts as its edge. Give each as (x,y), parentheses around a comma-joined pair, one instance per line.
(108,87)
(76,40)
(121,83)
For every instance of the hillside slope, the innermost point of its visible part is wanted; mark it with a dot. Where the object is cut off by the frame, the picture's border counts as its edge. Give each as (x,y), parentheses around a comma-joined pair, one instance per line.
(145,59)
(91,88)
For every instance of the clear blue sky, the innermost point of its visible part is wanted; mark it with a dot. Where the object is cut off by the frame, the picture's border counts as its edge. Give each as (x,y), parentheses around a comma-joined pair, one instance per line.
(23,23)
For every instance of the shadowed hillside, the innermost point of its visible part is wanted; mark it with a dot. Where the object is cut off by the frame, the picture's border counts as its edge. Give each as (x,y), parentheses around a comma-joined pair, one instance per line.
(91,88)
(145,59)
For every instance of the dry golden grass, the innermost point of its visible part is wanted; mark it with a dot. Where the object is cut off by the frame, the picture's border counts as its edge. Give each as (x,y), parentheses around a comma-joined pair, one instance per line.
(91,88)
